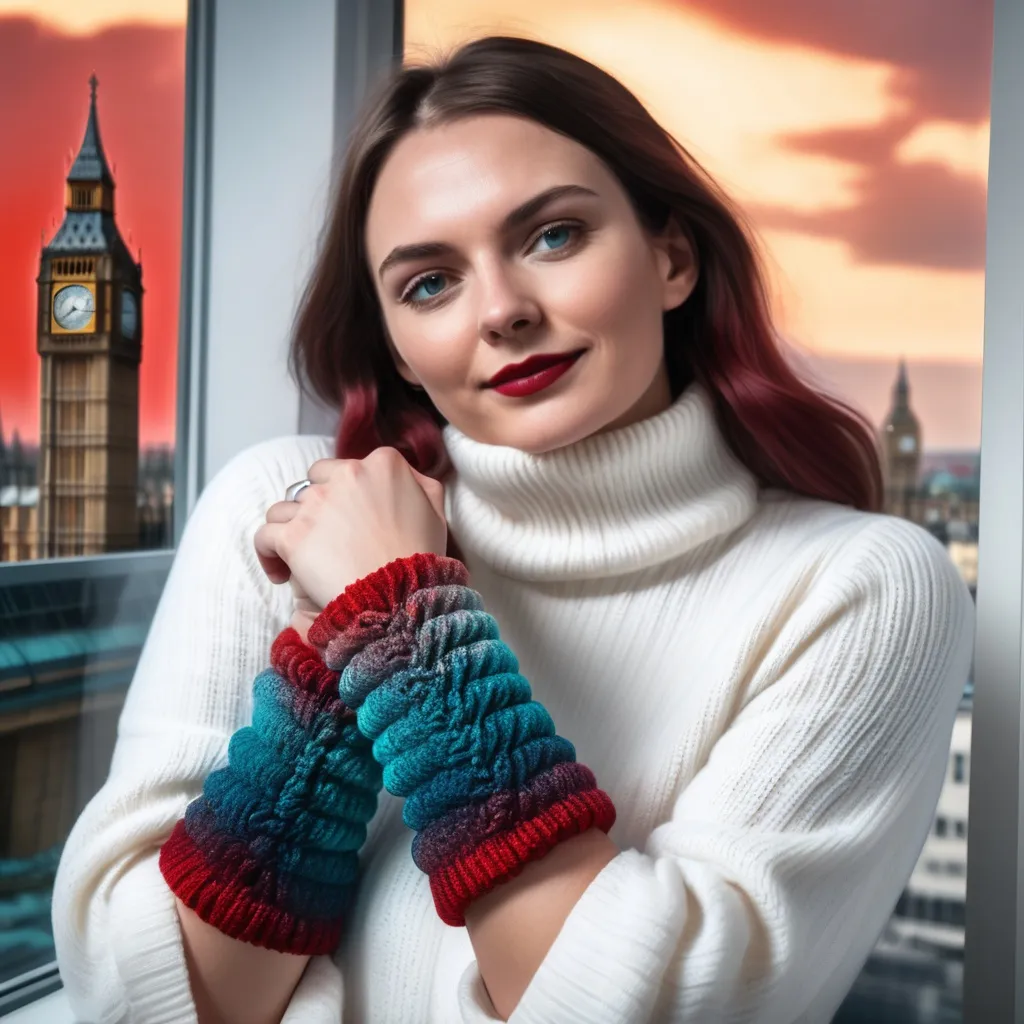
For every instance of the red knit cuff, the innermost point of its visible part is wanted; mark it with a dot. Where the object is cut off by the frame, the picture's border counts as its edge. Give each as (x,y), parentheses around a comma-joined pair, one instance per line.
(235,910)
(360,614)
(301,665)
(501,857)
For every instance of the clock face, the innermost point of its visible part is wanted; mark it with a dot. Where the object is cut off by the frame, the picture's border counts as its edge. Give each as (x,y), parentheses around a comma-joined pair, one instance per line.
(129,314)
(907,444)
(73,307)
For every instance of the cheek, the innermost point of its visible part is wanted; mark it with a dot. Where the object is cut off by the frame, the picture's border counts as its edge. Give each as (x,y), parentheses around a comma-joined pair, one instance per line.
(438,346)
(609,295)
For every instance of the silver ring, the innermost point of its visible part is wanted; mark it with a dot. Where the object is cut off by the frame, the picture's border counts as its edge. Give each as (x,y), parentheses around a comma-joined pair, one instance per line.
(293,492)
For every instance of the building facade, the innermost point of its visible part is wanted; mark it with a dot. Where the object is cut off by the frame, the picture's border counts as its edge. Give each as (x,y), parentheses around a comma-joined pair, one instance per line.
(19,501)
(89,339)
(916,970)
(901,449)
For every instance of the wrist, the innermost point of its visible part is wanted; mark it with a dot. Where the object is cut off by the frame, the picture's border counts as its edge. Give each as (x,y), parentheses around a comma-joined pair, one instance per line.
(497,846)
(268,852)
(300,622)
(365,610)
(488,784)
(300,667)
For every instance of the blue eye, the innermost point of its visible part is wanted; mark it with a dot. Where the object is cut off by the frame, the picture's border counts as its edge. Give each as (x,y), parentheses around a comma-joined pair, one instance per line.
(425,282)
(558,235)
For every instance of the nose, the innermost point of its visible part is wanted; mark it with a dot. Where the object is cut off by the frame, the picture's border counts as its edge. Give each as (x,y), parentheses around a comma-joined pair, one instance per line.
(506,307)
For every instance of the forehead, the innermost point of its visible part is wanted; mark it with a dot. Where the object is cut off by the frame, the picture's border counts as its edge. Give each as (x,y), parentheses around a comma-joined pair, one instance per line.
(472,170)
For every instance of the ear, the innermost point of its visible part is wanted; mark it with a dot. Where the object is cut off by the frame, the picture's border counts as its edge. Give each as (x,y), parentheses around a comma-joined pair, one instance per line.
(676,260)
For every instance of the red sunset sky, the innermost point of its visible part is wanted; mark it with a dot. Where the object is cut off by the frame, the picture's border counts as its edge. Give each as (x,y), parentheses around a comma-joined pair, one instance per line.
(855,135)
(44,77)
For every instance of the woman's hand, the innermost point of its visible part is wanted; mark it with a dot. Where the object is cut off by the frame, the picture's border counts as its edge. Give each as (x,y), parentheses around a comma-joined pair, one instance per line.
(358,515)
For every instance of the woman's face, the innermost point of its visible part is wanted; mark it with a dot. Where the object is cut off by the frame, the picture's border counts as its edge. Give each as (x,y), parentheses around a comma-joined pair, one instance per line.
(492,239)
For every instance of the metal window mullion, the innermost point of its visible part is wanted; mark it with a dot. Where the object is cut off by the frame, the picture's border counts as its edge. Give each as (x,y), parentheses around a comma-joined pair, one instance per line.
(994,946)
(195,244)
(368,40)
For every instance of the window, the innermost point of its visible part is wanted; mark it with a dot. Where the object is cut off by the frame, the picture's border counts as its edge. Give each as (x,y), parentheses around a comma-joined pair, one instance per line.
(935,910)
(798,115)
(236,385)
(87,396)
(767,161)
(68,644)
(86,440)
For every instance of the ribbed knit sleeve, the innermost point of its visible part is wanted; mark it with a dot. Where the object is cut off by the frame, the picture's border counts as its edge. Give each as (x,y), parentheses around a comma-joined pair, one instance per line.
(762,895)
(116,930)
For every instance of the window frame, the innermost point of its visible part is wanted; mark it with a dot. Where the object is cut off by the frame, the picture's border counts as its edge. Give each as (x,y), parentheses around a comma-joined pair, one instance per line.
(36,995)
(235,388)
(994,944)
(338,46)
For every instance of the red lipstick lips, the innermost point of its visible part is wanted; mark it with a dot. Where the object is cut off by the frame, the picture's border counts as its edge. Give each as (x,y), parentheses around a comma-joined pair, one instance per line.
(533,374)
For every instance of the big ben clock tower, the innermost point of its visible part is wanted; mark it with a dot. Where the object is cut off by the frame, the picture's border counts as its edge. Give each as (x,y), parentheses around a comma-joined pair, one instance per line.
(89,338)
(901,445)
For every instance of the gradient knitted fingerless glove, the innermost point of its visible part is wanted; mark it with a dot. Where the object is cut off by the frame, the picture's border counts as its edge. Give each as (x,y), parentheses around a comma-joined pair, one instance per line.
(488,784)
(268,853)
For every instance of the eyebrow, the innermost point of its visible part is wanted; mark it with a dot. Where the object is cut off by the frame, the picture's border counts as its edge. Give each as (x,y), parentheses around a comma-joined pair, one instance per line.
(516,218)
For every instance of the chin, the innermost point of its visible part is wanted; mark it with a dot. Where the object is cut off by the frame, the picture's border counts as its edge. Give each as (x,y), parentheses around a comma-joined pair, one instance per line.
(552,425)
(551,437)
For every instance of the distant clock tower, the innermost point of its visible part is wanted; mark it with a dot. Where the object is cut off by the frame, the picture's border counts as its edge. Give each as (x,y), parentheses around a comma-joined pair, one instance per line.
(901,445)
(89,338)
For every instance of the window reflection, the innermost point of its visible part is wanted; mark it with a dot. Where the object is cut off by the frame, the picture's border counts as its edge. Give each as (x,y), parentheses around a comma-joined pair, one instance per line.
(68,648)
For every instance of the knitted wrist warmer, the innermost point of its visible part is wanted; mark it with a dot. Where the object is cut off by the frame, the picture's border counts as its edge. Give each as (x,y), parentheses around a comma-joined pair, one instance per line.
(268,853)
(488,784)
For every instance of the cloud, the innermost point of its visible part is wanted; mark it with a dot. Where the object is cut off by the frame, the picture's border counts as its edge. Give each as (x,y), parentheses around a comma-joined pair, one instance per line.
(940,50)
(914,213)
(919,214)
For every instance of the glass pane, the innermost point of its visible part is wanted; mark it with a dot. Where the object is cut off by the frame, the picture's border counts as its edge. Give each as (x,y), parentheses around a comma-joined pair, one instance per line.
(855,137)
(90,217)
(68,648)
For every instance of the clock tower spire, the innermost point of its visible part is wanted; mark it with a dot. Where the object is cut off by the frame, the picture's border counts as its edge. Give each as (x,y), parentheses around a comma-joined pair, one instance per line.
(89,339)
(90,185)
(901,441)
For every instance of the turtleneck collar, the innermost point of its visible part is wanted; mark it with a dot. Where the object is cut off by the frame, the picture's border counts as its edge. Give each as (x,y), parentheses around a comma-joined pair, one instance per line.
(610,504)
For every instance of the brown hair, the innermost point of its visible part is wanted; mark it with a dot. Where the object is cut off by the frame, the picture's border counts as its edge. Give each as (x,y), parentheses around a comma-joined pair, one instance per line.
(786,433)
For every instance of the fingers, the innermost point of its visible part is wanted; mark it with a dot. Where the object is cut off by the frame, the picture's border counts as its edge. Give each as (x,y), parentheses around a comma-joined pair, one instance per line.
(267,542)
(283,511)
(323,469)
(321,472)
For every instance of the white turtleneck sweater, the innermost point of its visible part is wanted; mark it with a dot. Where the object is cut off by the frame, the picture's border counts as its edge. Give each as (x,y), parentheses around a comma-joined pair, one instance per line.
(764,684)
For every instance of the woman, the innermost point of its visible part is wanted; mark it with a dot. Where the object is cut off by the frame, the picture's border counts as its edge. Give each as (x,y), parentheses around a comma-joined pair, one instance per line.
(669,720)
